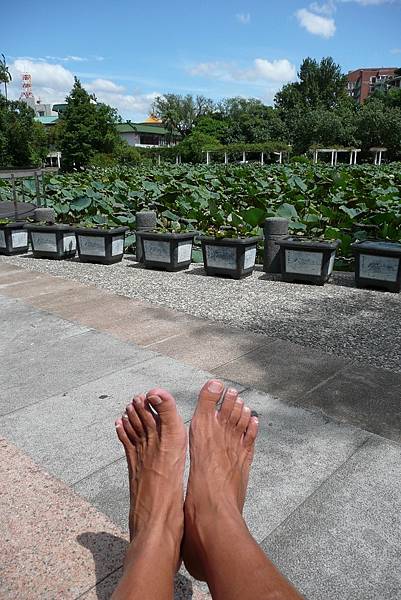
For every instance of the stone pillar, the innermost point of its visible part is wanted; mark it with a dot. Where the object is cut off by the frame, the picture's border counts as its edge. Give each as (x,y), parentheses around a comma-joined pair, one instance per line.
(145,221)
(275,228)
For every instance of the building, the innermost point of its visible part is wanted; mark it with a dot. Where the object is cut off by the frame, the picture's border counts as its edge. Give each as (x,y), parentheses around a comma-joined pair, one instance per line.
(149,134)
(363,82)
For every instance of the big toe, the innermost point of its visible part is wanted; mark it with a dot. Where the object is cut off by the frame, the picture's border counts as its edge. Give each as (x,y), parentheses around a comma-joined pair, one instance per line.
(164,404)
(209,396)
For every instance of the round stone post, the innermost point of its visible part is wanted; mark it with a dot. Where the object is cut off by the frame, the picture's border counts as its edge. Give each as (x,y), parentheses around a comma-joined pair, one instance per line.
(275,228)
(145,221)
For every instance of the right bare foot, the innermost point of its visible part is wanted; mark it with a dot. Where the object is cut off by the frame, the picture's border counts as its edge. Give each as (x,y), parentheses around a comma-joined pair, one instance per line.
(221,448)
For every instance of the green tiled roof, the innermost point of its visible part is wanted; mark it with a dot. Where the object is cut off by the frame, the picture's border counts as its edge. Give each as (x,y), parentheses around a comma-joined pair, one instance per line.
(46,120)
(141,128)
(59,107)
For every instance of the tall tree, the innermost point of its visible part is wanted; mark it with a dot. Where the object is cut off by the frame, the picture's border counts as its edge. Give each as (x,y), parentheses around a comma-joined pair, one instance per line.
(180,113)
(85,128)
(320,85)
(23,141)
(5,75)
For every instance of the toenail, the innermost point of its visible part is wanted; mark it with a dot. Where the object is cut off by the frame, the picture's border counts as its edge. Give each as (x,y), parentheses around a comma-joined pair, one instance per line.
(216,387)
(247,409)
(239,401)
(138,401)
(232,391)
(125,416)
(155,400)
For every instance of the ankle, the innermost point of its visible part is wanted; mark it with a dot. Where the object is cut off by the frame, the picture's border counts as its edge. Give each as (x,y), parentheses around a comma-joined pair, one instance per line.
(148,541)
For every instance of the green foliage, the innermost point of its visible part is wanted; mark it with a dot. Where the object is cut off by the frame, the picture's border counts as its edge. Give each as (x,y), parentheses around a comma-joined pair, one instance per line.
(5,75)
(85,129)
(23,142)
(179,113)
(347,203)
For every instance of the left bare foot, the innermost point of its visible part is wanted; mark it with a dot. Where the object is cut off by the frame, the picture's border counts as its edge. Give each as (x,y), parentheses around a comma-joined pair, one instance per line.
(155,445)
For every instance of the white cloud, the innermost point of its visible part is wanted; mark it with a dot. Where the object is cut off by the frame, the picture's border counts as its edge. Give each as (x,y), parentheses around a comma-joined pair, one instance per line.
(104,85)
(43,74)
(244,18)
(276,70)
(316,24)
(328,8)
(51,83)
(395,51)
(261,70)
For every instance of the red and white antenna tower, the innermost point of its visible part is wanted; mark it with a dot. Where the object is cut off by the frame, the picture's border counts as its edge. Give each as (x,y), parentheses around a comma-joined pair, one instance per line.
(26,91)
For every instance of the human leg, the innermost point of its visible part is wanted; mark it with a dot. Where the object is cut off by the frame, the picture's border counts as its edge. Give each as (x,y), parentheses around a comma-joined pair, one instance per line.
(218,547)
(155,447)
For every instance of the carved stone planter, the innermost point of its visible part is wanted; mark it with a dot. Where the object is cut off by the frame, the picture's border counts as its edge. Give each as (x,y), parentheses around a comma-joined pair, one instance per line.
(104,246)
(167,251)
(230,257)
(378,264)
(52,241)
(307,260)
(13,238)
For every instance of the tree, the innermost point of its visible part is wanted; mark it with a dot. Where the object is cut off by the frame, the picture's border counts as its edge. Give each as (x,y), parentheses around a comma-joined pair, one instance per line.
(85,129)
(380,125)
(23,141)
(320,85)
(251,121)
(317,109)
(5,75)
(180,113)
(190,149)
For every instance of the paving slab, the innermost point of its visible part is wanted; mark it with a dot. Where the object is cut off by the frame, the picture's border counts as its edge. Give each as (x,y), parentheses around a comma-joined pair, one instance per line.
(367,397)
(33,288)
(23,327)
(44,530)
(344,541)
(209,346)
(85,414)
(282,369)
(61,366)
(296,452)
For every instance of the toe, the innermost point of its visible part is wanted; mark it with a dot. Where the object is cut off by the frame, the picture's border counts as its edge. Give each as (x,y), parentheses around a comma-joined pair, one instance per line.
(163,403)
(134,420)
(228,404)
(251,432)
(236,412)
(243,421)
(145,416)
(209,395)
(124,438)
(129,430)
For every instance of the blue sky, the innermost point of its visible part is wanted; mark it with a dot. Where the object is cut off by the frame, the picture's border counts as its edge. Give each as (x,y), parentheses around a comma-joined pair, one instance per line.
(129,52)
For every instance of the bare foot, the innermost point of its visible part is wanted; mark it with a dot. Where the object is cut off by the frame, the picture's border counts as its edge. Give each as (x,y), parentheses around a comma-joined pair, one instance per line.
(221,449)
(155,444)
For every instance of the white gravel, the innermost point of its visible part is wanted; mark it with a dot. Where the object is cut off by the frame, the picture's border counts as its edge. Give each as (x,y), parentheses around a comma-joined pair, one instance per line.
(363,325)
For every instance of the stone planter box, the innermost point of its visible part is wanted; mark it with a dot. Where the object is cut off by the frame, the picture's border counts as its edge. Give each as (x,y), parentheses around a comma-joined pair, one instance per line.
(230,257)
(166,251)
(13,238)
(104,246)
(52,241)
(307,260)
(378,264)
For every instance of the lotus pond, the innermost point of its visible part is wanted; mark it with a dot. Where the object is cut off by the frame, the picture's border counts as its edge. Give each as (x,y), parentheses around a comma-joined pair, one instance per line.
(345,203)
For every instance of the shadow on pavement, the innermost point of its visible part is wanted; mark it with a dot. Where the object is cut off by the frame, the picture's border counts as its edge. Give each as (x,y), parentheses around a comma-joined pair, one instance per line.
(111,549)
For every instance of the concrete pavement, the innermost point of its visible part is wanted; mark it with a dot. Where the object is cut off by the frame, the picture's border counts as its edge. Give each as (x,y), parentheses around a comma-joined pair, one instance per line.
(324,497)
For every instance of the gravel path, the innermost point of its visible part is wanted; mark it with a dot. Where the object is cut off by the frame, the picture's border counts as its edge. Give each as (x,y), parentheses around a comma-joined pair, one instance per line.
(363,325)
